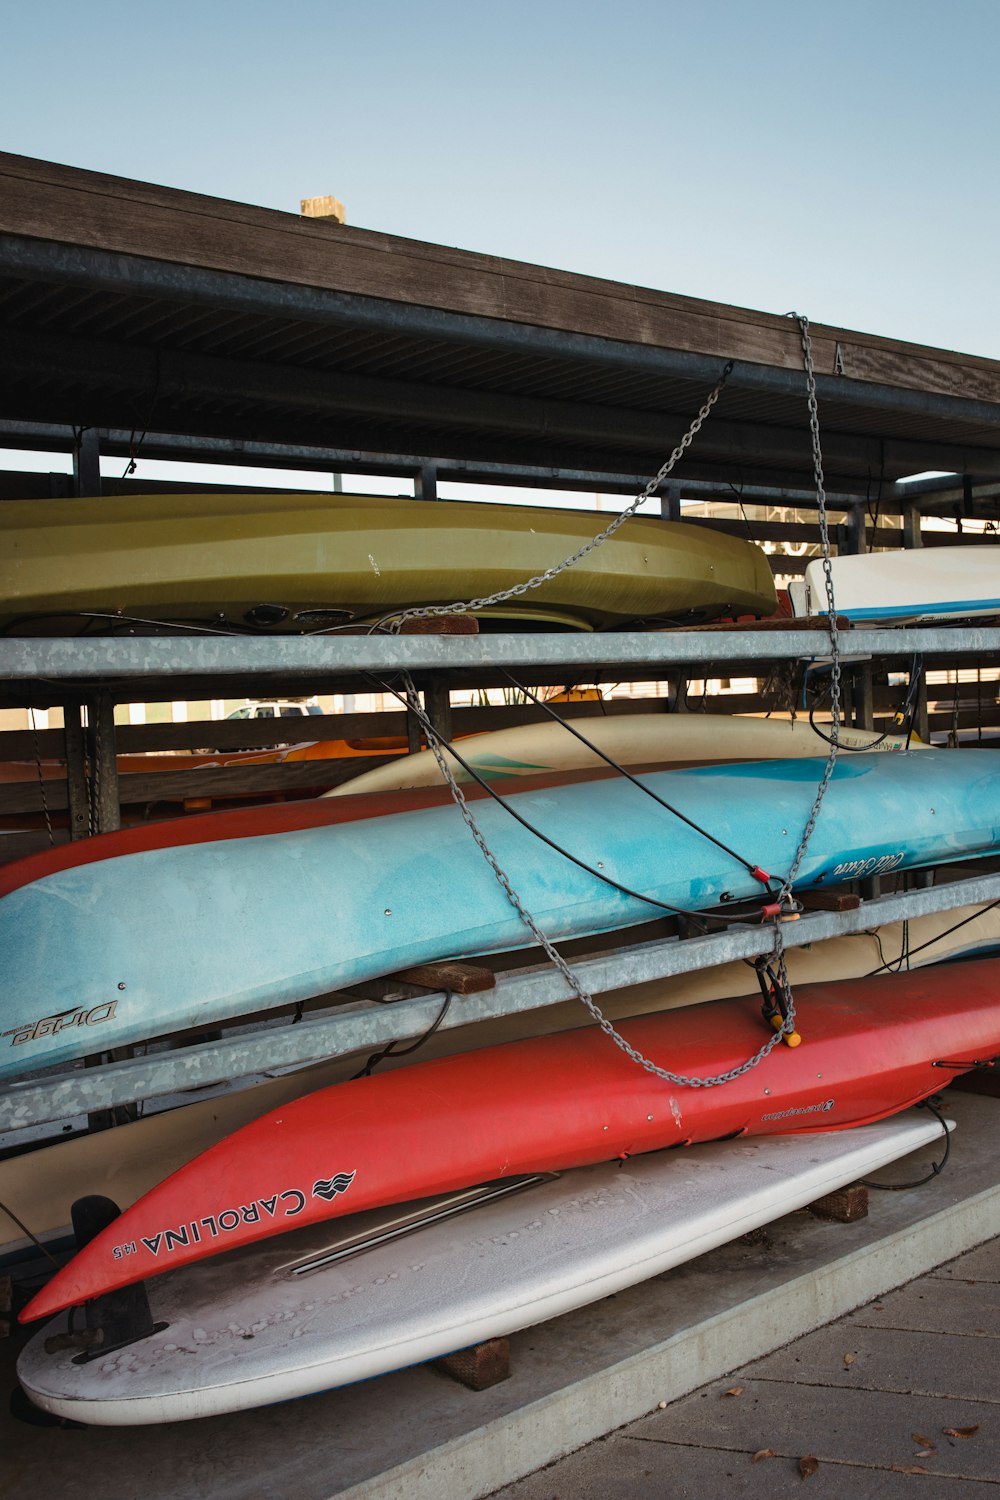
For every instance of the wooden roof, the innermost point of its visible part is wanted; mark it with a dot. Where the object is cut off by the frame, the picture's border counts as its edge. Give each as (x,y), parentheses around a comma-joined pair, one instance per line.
(127,305)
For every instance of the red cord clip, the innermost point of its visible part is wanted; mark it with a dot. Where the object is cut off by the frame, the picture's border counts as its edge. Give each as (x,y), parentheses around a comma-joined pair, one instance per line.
(761,875)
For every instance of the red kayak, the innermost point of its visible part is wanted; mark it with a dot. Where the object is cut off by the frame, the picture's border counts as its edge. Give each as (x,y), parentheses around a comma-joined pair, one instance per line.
(254,822)
(869,1048)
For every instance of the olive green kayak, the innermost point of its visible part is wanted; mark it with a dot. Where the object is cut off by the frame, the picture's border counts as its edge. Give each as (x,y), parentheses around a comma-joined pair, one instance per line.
(302,561)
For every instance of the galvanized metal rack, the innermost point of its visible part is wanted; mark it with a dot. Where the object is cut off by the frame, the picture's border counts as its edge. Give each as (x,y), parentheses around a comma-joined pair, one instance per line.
(280,342)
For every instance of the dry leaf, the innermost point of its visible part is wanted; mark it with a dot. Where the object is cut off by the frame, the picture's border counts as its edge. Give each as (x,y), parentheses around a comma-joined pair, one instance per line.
(921,1441)
(808,1466)
(762,1453)
(960,1431)
(848,1360)
(925,1453)
(909,1469)
(734,1390)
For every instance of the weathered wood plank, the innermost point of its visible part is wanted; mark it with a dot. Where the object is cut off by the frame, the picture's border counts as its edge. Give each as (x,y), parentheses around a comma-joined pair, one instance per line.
(47,201)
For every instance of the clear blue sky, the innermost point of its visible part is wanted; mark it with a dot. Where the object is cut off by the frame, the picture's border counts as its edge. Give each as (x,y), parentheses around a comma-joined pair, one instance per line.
(840,159)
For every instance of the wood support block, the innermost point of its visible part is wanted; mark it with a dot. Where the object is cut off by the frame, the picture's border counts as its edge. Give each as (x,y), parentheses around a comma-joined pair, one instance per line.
(769,625)
(461,979)
(828,901)
(480,1366)
(441,625)
(845,1206)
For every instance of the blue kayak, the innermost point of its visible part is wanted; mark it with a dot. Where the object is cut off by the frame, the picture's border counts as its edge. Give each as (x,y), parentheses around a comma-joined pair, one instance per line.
(125,949)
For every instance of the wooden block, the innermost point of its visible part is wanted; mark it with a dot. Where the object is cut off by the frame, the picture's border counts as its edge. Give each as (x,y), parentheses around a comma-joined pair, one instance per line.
(461,979)
(845,1206)
(326,207)
(480,1366)
(828,900)
(766,626)
(441,625)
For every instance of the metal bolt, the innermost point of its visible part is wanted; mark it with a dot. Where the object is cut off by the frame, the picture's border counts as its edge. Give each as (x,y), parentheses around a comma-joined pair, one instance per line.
(121,984)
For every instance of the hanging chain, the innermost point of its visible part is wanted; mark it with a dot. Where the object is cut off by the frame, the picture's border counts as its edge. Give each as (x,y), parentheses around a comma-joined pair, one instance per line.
(94,713)
(469,606)
(787,1023)
(681,1080)
(778,952)
(41,779)
(824,534)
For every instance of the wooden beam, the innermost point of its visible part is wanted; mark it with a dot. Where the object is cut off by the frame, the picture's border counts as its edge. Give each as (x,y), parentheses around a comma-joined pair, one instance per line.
(44,200)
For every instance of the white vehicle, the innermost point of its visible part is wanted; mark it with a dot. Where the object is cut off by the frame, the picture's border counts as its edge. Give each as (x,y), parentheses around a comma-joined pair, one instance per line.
(275,708)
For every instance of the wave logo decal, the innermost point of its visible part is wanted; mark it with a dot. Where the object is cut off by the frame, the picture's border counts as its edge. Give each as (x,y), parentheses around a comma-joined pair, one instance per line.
(330,1187)
(77,1015)
(285,1205)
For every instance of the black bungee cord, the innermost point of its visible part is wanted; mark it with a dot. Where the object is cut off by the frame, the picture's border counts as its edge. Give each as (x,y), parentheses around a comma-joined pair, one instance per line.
(503,802)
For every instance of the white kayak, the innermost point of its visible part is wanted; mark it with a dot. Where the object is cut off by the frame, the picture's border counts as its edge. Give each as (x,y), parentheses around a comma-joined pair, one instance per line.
(900,588)
(334,1304)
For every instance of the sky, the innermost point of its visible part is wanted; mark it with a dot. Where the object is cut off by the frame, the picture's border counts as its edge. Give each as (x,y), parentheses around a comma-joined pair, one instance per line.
(836,159)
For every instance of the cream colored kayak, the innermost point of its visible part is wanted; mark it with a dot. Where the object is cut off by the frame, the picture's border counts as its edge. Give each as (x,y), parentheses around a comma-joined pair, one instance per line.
(644,739)
(303,562)
(126,1162)
(900,588)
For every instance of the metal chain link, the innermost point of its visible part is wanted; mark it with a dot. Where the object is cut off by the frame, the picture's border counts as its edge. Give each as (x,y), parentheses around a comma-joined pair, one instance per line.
(824,533)
(41,779)
(468,606)
(778,951)
(682,1080)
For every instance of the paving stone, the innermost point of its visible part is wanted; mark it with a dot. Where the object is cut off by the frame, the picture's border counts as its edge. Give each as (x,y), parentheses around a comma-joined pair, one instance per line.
(981,1264)
(888,1359)
(854,1427)
(627,1468)
(935,1304)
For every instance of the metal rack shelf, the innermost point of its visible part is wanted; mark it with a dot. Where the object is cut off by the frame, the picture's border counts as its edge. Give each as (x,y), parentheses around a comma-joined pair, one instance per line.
(356,1025)
(152,660)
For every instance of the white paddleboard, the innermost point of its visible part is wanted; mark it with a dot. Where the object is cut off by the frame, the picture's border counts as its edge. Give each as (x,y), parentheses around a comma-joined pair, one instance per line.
(645,739)
(274,1321)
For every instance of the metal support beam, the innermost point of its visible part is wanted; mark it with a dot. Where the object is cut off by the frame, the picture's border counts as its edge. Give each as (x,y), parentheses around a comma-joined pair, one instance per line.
(425,482)
(86,461)
(912,534)
(864,697)
(351,1027)
(670,502)
(77,791)
(437,706)
(84,659)
(103,763)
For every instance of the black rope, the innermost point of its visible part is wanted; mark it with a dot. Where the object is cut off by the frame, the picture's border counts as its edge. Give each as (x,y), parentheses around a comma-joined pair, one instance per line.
(936,1167)
(909,952)
(393,1049)
(503,802)
(32,1237)
(751,869)
(902,716)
